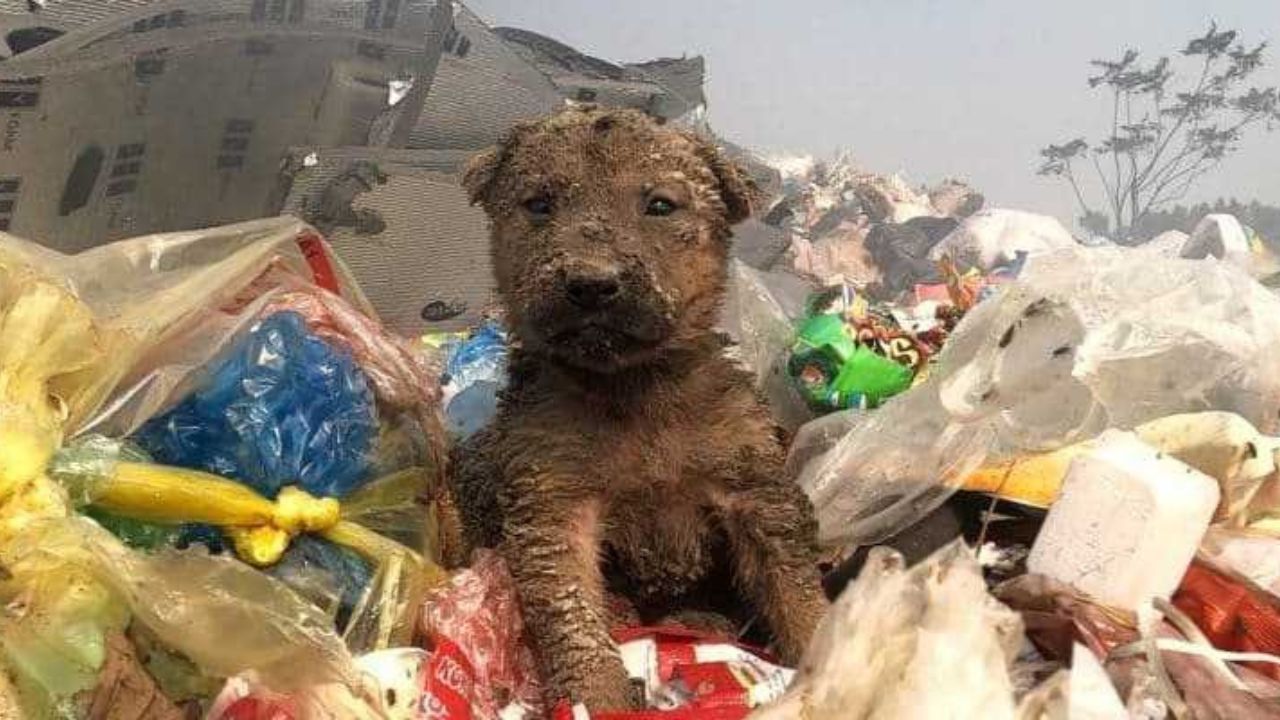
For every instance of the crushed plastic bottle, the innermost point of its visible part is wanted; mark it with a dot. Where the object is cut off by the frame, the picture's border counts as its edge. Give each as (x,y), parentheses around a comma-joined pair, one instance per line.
(475,372)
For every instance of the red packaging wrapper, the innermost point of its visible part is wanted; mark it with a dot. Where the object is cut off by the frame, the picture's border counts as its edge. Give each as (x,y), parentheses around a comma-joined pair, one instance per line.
(243,699)
(1233,614)
(478,614)
(564,711)
(717,686)
(708,676)
(451,684)
(252,708)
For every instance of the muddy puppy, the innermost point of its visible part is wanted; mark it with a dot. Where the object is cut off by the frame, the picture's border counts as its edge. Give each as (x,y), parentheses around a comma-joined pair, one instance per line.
(628,454)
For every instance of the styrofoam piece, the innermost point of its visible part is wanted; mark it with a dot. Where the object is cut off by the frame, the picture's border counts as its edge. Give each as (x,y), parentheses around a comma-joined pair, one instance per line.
(1090,693)
(993,236)
(1126,524)
(1221,236)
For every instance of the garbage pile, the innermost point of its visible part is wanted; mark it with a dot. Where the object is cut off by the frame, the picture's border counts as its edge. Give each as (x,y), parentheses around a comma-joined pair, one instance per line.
(849,224)
(218,473)
(1048,484)
(1099,425)
(1049,489)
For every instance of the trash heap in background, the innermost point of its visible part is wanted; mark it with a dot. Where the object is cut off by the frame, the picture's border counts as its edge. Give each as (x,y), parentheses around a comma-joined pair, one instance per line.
(1098,422)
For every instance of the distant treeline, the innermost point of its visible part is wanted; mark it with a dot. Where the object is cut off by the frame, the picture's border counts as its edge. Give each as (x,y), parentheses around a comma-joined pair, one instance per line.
(1264,219)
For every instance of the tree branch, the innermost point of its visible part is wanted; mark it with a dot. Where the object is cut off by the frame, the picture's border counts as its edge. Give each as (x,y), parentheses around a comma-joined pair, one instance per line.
(1117,199)
(1163,144)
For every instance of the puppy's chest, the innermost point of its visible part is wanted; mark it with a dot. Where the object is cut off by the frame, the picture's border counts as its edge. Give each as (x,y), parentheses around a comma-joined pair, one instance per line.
(673,458)
(660,520)
(663,543)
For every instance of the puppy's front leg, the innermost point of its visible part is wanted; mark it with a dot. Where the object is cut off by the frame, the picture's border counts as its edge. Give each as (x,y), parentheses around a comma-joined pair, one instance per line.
(552,544)
(772,531)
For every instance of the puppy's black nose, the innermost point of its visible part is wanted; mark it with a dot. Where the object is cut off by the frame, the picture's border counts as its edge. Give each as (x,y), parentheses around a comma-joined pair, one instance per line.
(593,290)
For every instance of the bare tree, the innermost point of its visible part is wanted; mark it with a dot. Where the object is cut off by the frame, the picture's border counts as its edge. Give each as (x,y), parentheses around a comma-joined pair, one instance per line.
(1163,139)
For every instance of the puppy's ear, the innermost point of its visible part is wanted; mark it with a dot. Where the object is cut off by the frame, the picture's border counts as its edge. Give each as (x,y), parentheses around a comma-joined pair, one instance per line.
(480,172)
(738,189)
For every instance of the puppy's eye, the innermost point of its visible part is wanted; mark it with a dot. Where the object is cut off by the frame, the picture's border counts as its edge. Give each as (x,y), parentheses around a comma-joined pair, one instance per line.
(539,205)
(660,207)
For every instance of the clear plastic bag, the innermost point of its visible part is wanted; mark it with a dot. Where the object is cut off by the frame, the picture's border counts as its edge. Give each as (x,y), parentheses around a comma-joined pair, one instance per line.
(922,642)
(141,294)
(1084,340)
(759,315)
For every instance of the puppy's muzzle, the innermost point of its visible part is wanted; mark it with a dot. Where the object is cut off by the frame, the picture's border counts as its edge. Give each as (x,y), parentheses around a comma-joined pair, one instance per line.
(593,287)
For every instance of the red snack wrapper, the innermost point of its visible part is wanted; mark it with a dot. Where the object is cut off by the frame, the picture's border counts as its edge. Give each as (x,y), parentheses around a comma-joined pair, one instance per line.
(476,620)
(1233,614)
(564,711)
(451,684)
(242,699)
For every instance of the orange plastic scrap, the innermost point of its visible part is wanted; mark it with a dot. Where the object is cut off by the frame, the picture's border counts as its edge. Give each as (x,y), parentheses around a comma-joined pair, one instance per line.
(962,288)
(1033,480)
(1234,614)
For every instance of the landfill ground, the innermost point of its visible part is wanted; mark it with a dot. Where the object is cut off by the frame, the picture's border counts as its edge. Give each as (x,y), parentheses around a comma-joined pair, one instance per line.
(342,399)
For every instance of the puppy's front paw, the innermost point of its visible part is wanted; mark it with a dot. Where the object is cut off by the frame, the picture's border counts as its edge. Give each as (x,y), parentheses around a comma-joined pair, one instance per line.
(606,686)
(803,610)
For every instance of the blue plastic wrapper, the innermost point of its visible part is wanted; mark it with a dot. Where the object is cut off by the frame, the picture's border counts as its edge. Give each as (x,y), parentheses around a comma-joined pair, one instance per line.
(282,408)
(475,372)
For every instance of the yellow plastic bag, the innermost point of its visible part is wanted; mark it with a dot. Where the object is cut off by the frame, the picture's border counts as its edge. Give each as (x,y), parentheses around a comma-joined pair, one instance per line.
(103,340)
(221,614)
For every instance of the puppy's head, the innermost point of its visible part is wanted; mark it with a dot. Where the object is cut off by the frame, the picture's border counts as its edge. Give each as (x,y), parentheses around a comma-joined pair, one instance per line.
(610,234)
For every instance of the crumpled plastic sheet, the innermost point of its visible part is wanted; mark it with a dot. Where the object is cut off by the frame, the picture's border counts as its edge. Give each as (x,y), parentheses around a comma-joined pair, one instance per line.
(149,291)
(103,340)
(284,407)
(924,642)
(1221,236)
(760,316)
(818,436)
(403,377)
(479,612)
(330,576)
(1085,339)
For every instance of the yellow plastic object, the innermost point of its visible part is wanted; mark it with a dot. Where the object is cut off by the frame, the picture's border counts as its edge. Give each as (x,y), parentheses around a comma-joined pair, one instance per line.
(1030,480)
(261,531)
(1222,445)
(260,528)
(46,336)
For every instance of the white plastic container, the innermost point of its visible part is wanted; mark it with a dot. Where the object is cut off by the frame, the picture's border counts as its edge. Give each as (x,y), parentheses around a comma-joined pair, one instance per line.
(1127,523)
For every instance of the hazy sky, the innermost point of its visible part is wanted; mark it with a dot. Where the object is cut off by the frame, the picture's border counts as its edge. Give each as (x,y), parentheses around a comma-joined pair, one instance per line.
(967,88)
